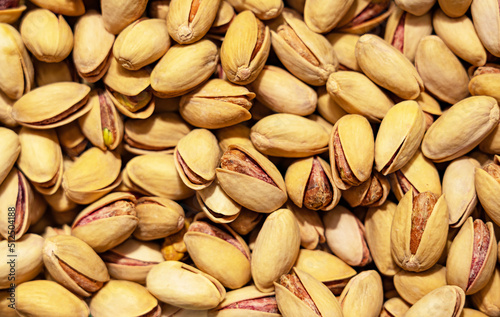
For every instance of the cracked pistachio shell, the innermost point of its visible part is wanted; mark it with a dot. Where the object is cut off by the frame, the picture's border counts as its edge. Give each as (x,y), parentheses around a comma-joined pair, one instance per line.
(325,267)
(460,36)
(455,8)
(460,190)
(29,261)
(399,136)
(92,46)
(47,299)
(444,301)
(415,7)
(297,179)
(420,173)
(344,45)
(486,18)
(17,74)
(276,249)
(442,72)
(248,191)
(223,18)
(47,36)
(156,134)
(357,94)
(124,298)
(189,20)
(310,225)
(183,68)
(289,135)
(11,15)
(141,43)
(246,221)
(80,258)
(378,223)
(406,36)
(105,224)
(469,312)
(388,67)
(159,217)
(155,174)
(247,293)
(118,14)
(328,108)
(461,128)
(321,16)
(182,285)
(282,92)
(345,235)
(236,134)
(432,236)
(348,23)
(487,84)
(394,307)
(487,187)
(220,258)
(52,105)
(368,286)
(132,260)
(46,171)
(491,144)
(371,193)
(263,9)
(85,181)
(306,54)
(245,48)
(412,286)
(487,299)
(64,7)
(355,136)
(6,111)
(15,191)
(217,104)
(10,147)
(461,258)
(217,205)
(196,157)
(291,305)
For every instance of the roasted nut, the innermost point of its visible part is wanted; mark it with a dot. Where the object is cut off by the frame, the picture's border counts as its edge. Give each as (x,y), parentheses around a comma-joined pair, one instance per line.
(9,149)
(264,10)
(412,286)
(366,285)
(486,183)
(363,16)
(322,16)
(246,300)
(446,300)
(116,14)
(371,193)
(218,206)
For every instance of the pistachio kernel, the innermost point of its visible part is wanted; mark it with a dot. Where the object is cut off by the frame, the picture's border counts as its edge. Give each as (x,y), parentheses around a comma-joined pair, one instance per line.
(8,4)
(86,283)
(374,193)
(318,193)
(343,167)
(480,249)
(237,161)
(291,38)
(264,304)
(292,283)
(423,204)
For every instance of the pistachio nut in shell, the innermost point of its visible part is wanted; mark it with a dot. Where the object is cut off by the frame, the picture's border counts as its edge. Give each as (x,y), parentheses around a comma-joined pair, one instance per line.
(368,286)
(247,301)
(173,247)
(246,221)
(444,301)
(472,256)
(415,7)
(394,307)
(412,286)
(459,34)
(246,176)
(117,14)
(289,135)
(85,181)
(47,299)
(325,267)
(482,13)
(236,134)
(300,294)
(189,20)
(378,222)
(276,249)
(74,264)
(454,8)
(388,67)
(5,310)
(219,251)
(28,251)
(352,134)
(124,298)
(64,7)
(107,222)
(182,285)
(365,15)
(183,68)
(263,10)
(10,149)
(17,76)
(196,157)
(327,107)
(92,47)
(345,235)
(319,119)
(460,190)
(47,36)
(245,48)
(486,184)
(484,80)
(157,134)
(488,298)
(399,136)
(52,105)
(357,94)
(6,111)
(223,18)
(132,260)
(371,193)
(469,312)
(310,225)
(344,45)
(321,16)
(217,104)
(218,206)
(158,217)
(11,11)
(476,116)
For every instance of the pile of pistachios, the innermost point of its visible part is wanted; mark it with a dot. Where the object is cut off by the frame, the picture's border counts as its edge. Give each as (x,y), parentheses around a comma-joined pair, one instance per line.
(296,158)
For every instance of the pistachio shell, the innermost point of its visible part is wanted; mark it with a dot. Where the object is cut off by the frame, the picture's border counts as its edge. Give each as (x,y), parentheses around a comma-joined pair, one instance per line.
(6,111)
(322,16)
(413,286)
(236,134)
(486,18)
(469,312)
(10,149)
(486,84)
(416,7)
(117,14)
(225,15)
(487,299)
(11,15)
(486,187)
(394,307)
(264,10)
(444,301)
(366,285)
(230,307)
(344,45)
(359,19)
(371,193)
(455,8)
(217,205)
(328,108)
(310,225)
(64,7)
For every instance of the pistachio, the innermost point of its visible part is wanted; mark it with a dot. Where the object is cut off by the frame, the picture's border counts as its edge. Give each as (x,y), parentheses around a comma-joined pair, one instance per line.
(364,16)
(483,11)
(371,193)
(412,286)
(117,15)
(394,307)
(486,183)
(10,149)
(310,225)
(72,140)
(174,248)
(446,300)
(454,9)
(158,9)
(75,8)
(367,285)
(247,300)
(219,207)
(10,11)
(328,109)
(321,16)
(158,217)
(6,111)
(236,134)
(415,7)
(344,45)
(486,300)
(223,18)
(263,10)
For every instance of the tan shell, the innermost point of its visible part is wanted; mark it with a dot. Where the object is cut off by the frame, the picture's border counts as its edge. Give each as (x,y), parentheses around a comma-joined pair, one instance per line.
(276,249)
(322,16)
(416,7)
(11,15)
(263,9)
(469,312)
(236,134)
(413,286)
(444,301)
(455,8)
(394,307)
(225,14)
(328,108)
(9,149)
(486,19)
(217,205)
(64,7)
(362,195)
(486,187)
(310,225)
(487,299)
(485,84)
(476,116)
(240,295)
(366,285)
(347,24)
(182,285)
(344,45)
(6,111)
(117,14)
(159,217)
(93,43)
